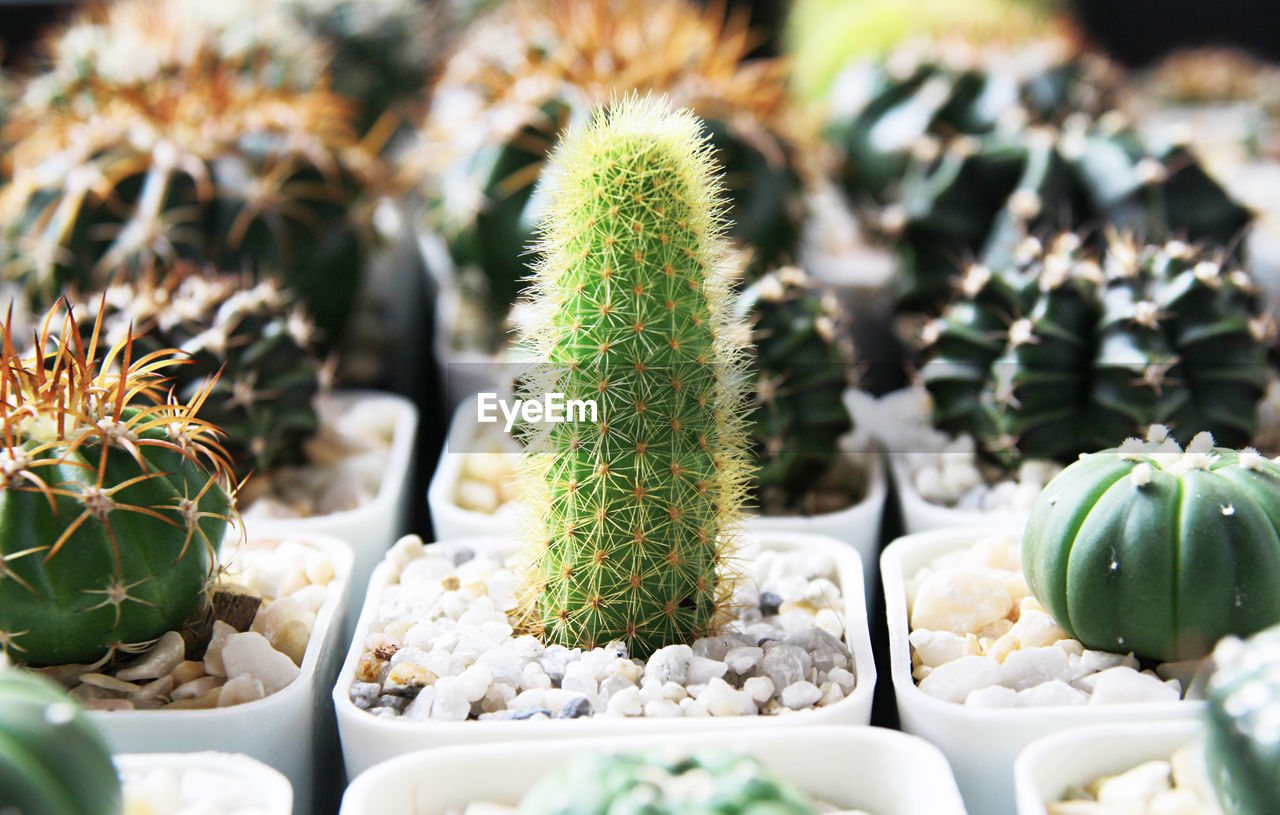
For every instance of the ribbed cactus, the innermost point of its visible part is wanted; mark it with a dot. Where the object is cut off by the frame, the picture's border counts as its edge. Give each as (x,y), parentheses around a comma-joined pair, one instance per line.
(115,501)
(802,367)
(1063,354)
(1241,749)
(52,760)
(1149,548)
(528,69)
(637,511)
(250,345)
(159,132)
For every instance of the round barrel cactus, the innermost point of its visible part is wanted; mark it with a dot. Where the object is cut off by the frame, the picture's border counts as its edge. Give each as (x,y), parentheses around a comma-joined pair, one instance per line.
(638,504)
(114,501)
(52,760)
(1150,549)
(1241,746)
(726,782)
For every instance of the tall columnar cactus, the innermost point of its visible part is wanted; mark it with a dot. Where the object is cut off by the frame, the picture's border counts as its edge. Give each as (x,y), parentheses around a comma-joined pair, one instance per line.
(1061,354)
(250,346)
(115,501)
(1150,549)
(802,368)
(528,69)
(1240,747)
(637,510)
(52,760)
(163,131)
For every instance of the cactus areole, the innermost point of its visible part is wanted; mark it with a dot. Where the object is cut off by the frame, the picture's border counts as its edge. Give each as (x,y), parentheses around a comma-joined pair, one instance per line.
(1151,549)
(1241,747)
(112,501)
(635,512)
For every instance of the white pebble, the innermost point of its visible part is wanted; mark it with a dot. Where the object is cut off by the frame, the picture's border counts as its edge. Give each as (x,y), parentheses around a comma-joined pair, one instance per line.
(1029,667)
(961,601)
(1137,785)
(250,654)
(955,680)
(993,696)
(800,695)
(1054,692)
(626,702)
(759,688)
(743,658)
(1123,684)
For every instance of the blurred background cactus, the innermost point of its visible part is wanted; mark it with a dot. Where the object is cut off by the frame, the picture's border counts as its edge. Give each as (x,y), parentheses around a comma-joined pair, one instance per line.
(1244,693)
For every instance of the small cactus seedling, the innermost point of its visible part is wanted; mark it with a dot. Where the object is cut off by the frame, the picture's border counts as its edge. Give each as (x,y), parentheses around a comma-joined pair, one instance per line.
(113,501)
(1060,354)
(637,511)
(802,368)
(250,345)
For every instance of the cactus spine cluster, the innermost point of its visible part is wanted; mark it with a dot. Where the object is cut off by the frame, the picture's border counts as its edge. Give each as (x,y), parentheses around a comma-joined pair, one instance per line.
(802,368)
(1065,352)
(158,134)
(249,345)
(636,512)
(115,500)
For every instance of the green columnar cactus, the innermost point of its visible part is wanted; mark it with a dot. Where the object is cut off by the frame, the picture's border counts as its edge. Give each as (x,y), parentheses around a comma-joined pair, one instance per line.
(52,760)
(981,197)
(156,134)
(724,782)
(1241,749)
(802,368)
(115,501)
(1060,355)
(528,69)
(1150,549)
(250,345)
(637,510)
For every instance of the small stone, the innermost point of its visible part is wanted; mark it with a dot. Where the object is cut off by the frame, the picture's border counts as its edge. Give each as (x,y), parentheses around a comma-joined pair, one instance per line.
(769,603)
(614,684)
(1029,667)
(186,671)
(162,658)
(955,680)
(196,687)
(846,680)
(419,709)
(530,712)
(1053,692)
(670,664)
(534,676)
(960,601)
(661,709)
(785,664)
(451,704)
(475,681)
(992,697)
(936,647)
(575,708)
(407,679)
(759,688)
(626,702)
(743,658)
(1123,684)
(579,679)
(213,664)
(800,695)
(702,670)
(153,690)
(110,683)
(1137,785)
(245,689)
(250,654)
(364,694)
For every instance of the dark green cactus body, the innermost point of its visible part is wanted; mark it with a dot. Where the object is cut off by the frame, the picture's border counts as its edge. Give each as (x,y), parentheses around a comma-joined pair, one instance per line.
(639,507)
(723,782)
(1148,549)
(1060,355)
(52,760)
(1241,749)
(802,368)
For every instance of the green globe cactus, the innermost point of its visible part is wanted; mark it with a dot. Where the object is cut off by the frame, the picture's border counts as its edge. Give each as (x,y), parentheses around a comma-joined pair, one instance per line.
(721,781)
(1159,551)
(1061,354)
(52,760)
(637,510)
(1241,748)
(802,369)
(250,348)
(116,500)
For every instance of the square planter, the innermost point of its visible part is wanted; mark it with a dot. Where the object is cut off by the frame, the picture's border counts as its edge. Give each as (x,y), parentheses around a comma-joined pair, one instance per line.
(368,739)
(1047,768)
(981,743)
(240,781)
(879,771)
(290,730)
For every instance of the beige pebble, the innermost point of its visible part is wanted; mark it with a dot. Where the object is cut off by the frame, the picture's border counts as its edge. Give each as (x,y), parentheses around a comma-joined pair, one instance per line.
(159,660)
(240,690)
(109,683)
(213,655)
(205,701)
(962,601)
(186,671)
(409,674)
(292,639)
(196,687)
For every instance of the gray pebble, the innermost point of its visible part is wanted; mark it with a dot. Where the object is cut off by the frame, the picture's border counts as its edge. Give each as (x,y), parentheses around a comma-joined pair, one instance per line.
(769,603)
(574,708)
(461,556)
(396,703)
(363,694)
(530,712)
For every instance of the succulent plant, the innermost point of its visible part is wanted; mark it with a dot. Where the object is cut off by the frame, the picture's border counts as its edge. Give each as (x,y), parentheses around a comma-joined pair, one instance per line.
(1061,354)
(116,500)
(665,783)
(52,760)
(250,347)
(1241,750)
(980,197)
(1150,549)
(637,511)
(802,369)
(163,131)
(525,71)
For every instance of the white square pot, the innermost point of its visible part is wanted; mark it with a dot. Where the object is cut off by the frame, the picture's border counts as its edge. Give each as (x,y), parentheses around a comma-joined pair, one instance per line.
(290,730)
(880,771)
(1048,767)
(920,515)
(857,525)
(369,739)
(241,780)
(981,743)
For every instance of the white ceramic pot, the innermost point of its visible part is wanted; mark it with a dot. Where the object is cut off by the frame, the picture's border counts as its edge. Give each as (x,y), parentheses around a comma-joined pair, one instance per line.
(368,739)
(880,771)
(981,743)
(240,781)
(291,730)
(919,515)
(369,529)
(857,525)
